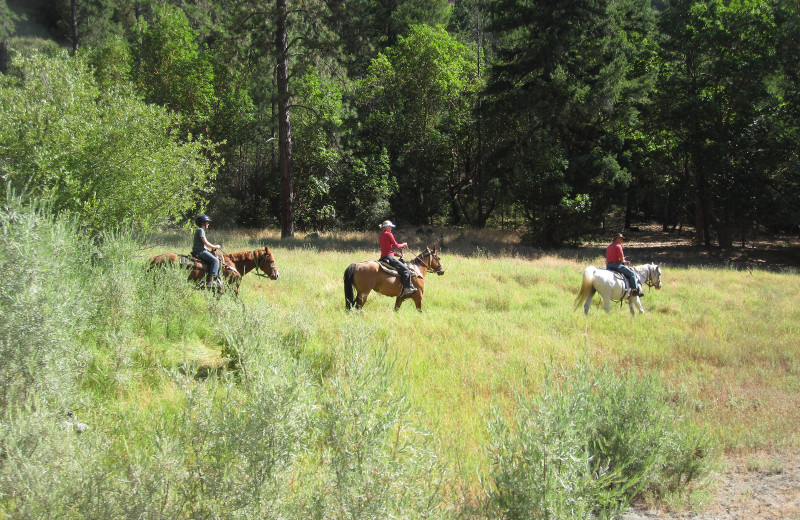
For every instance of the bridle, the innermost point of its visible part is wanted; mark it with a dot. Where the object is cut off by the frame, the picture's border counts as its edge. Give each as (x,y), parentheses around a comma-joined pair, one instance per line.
(650,282)
(428,265)
(257,261)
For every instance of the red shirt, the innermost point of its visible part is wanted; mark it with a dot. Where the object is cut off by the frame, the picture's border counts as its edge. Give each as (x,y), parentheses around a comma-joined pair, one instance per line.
(387,242)
(614,253)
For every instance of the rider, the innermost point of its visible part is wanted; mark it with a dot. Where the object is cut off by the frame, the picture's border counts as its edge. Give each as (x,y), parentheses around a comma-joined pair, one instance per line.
(615,261)
(200,246)
(388,245)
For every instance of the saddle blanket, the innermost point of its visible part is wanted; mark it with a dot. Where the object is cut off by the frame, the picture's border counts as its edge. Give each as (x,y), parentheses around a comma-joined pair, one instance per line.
(415,272)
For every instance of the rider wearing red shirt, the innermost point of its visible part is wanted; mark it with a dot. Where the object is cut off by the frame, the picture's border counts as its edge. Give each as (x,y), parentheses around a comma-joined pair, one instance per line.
(388,245)
(615,261)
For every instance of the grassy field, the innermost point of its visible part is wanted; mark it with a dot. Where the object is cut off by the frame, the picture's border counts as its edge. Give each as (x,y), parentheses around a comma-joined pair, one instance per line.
(723,340)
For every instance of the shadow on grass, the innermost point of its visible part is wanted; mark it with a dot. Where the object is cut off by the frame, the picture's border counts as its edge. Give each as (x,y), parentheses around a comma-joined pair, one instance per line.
(645,244)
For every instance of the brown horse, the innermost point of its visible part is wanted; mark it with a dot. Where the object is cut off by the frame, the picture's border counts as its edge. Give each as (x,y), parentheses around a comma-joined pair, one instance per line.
(369,276)
(233,266)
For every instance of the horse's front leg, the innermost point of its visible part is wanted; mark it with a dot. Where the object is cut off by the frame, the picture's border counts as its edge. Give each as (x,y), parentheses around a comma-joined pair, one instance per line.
(639,304)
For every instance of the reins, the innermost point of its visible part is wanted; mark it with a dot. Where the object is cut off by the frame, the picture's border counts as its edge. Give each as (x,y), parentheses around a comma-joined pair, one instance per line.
(428,266)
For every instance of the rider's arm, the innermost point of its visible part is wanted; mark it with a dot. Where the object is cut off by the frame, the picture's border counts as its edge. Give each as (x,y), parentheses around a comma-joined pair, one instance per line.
(209,244)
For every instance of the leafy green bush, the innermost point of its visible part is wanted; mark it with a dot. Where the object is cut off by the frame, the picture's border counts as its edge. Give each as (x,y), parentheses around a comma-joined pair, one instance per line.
(585,446)
(102,154)
(44,269)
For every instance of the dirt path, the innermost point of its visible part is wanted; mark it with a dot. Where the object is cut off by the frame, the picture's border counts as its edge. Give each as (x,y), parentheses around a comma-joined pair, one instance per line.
(768,490)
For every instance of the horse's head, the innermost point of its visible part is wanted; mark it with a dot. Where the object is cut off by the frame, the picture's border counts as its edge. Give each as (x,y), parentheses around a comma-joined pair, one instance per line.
(432,261)
(266,262)
(654,276)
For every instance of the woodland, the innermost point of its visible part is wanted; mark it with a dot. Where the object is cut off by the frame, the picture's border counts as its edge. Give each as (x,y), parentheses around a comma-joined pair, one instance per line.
(546,117)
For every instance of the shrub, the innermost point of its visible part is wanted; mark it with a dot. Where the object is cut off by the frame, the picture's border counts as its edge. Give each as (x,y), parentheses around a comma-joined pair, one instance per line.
(103,155)
(584,447)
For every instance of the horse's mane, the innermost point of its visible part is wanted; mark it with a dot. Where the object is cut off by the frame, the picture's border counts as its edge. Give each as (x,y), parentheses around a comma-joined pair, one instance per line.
(243,255)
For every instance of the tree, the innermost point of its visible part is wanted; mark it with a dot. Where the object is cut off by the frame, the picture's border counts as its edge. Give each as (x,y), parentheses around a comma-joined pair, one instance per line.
(721,92)
(415,103)
(170,69)
(565,91)
(104,155)
(8,21)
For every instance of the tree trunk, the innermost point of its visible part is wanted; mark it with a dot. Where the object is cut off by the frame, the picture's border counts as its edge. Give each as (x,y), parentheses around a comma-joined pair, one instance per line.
(74,6)
(4,56)
(284,129)
(700,235)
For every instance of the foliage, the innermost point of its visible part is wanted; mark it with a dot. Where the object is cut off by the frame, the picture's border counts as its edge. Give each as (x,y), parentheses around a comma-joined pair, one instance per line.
(585,446)
(721,99)
(668,110)
(260,434)
(171,71)
(565,91)
(102,154)
(416,102)
(363,192)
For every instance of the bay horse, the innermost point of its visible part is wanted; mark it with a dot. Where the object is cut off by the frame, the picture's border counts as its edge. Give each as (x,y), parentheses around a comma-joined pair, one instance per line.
(370,276)
(233,266)
(611,286)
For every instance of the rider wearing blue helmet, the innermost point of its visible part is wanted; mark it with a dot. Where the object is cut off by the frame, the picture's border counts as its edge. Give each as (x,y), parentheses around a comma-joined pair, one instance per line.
(201,246)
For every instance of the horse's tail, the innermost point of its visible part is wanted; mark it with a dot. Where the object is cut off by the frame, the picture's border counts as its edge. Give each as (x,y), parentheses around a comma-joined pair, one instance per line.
(587,288)
(349,297)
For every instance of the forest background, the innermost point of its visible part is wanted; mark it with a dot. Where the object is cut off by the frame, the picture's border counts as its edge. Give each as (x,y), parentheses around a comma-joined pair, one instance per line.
(542,116)
(551,120)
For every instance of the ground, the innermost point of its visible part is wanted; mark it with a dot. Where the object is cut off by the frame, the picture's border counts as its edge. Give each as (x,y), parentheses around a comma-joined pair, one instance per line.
(744,490)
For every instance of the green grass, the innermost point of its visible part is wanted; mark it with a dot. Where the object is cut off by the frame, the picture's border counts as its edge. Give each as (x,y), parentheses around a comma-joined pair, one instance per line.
(724,340)
(281,403)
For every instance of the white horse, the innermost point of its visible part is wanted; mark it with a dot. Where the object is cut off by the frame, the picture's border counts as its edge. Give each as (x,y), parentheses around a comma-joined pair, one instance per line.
(612,286)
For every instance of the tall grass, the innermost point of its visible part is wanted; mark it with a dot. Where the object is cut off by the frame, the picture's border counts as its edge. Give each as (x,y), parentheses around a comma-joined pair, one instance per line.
(282,404)
(184,405)
(587,444)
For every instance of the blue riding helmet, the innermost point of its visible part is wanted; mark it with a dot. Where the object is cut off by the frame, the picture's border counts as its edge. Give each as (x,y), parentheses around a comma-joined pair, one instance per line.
(202,219)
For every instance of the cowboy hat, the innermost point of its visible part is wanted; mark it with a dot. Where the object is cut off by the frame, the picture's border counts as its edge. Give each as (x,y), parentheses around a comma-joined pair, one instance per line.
(387,223)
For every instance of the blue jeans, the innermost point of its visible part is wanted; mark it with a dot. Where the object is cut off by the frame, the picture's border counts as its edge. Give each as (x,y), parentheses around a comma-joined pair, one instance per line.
(211,261)
(627,272)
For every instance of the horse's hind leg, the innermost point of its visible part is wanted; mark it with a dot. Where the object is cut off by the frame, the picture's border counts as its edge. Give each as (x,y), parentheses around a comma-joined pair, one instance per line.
(588,302)
(361,299)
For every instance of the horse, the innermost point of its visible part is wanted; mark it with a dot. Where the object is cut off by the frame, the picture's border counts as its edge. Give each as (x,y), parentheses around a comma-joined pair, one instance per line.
(611,286)
(370,276)
(233,266)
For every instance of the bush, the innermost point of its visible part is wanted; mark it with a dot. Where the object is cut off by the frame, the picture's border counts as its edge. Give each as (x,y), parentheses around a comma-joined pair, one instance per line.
(103,155)
(85,327)
(583,448)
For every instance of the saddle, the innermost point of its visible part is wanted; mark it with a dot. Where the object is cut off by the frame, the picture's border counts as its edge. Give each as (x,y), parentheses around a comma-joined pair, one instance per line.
(415,272)
(626,285)
(190,261)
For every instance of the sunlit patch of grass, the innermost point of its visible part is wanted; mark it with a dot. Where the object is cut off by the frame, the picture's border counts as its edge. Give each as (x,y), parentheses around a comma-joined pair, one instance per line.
(724,340)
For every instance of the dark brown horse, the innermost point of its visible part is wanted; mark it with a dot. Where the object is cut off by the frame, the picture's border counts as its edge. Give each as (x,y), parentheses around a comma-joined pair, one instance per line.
(233,266)
(370,276)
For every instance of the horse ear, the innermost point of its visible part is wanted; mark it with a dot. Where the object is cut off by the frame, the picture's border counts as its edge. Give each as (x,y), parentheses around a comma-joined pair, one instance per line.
(434,250)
